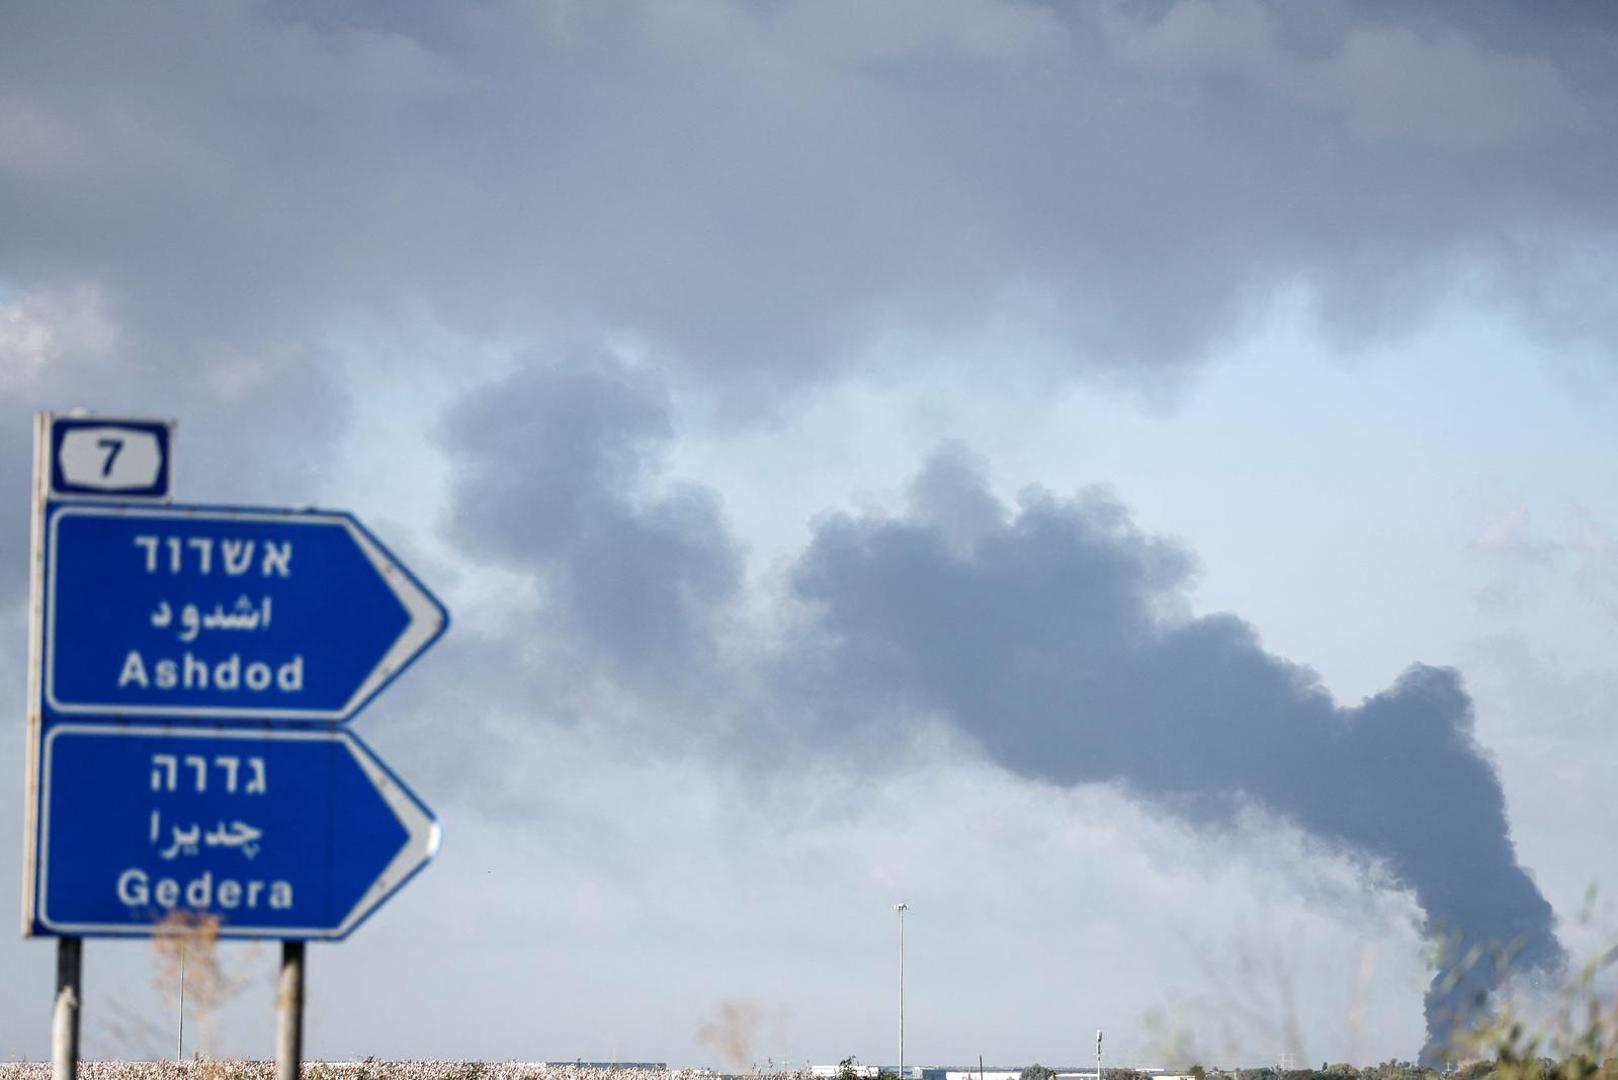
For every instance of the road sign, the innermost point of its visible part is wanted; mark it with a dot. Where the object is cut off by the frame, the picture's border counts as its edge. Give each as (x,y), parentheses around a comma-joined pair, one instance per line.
(232,615)
(190,667)
(286,833)
(107,457)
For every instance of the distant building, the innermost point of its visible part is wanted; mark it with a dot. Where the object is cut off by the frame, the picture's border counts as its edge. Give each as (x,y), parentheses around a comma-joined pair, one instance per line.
(912,1072)
(576,1063)
(973,1072)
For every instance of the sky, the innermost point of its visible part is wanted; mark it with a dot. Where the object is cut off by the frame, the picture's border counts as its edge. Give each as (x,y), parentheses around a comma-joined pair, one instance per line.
(1133,481)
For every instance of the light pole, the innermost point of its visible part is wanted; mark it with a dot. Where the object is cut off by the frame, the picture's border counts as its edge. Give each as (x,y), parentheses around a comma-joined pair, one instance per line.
(179,1040)
(901,908)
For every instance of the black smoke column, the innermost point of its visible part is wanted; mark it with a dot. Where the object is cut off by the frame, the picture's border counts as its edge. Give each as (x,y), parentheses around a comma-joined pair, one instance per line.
(1051,637)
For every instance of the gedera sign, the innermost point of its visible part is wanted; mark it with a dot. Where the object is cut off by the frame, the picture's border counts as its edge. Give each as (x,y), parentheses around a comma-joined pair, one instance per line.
(280,833)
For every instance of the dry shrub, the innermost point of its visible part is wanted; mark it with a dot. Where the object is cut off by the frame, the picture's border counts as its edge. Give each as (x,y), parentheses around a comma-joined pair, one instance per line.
(1578,1042)
(189,964)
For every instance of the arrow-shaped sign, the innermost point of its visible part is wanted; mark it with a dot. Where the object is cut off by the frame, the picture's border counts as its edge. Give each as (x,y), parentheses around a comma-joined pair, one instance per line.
(222,613)
(290,833)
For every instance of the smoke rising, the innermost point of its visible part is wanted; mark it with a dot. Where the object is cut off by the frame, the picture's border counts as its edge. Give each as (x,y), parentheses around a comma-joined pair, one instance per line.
(1056,636)
(548,460)
(732,1032)
(1055,633)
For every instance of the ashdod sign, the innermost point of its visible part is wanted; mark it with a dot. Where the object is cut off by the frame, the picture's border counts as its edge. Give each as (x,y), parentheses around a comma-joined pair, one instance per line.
(224,613)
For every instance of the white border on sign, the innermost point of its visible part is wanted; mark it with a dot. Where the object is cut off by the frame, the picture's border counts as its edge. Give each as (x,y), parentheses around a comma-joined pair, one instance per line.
(421,841)
(426,617)
(36,578)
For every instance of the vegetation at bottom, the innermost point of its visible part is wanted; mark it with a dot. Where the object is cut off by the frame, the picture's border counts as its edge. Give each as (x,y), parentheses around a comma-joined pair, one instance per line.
(1578,1040)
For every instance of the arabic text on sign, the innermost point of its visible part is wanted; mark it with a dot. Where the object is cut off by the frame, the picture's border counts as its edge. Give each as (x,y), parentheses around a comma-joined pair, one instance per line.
(244,615)
(189,841)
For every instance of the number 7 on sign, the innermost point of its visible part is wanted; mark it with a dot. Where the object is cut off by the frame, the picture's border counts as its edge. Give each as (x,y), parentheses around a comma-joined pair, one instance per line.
(111,446)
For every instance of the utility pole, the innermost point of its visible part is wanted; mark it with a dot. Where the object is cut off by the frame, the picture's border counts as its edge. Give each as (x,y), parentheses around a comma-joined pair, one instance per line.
(179,1039)
(901,908)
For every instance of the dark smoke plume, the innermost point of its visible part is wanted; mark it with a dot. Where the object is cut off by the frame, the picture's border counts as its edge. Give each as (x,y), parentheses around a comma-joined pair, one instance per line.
(1051,637)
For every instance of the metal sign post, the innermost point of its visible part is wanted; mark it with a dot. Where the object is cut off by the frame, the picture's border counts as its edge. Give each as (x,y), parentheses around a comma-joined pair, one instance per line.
(192,672)
(289,1012)
(65,1015)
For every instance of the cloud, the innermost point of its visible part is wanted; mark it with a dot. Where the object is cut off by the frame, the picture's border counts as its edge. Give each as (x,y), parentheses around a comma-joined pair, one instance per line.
(1597,573)
(1393,83)
(1508,536)
(762,196)
(1383,80)
(1507,541)
(40,329)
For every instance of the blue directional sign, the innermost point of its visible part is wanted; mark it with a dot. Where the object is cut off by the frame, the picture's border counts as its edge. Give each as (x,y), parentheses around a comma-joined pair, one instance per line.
(213,612)
(289,833)
(191,672)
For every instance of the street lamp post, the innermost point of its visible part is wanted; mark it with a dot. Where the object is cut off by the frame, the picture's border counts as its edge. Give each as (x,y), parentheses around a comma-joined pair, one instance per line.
(901,908)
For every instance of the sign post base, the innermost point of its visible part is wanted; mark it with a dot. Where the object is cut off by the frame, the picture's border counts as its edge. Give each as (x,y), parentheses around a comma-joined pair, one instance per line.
(288,1013)
(65,1017)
